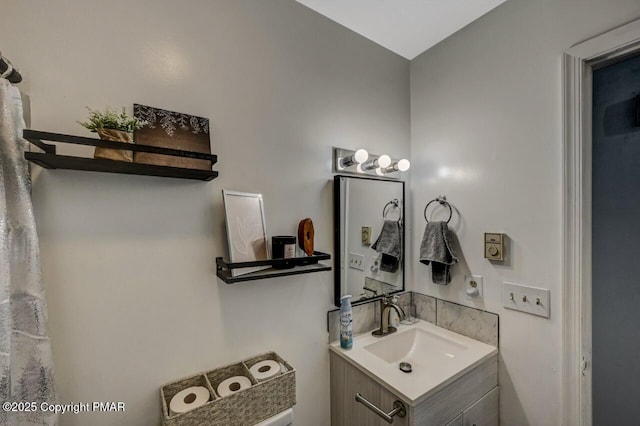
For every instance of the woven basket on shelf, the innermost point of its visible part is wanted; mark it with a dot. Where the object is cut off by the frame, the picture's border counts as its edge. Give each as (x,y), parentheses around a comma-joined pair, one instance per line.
(114,154)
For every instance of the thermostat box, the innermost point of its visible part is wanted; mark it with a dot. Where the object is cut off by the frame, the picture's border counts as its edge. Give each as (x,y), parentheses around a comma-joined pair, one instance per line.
(494,246)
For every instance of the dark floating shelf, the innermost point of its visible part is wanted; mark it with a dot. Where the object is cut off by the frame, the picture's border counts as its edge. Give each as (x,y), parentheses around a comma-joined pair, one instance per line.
(302,265)
(50,160)
(54,161)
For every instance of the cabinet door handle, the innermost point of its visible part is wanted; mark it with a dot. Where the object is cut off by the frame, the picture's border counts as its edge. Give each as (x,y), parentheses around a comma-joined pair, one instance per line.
(398,409)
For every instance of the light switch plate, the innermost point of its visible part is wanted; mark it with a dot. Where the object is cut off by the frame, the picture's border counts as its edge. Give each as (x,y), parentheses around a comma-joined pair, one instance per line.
(532,300)
(356,261)
(469,288)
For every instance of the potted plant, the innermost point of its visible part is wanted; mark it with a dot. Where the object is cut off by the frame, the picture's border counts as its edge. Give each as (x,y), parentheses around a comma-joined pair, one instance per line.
(113,126)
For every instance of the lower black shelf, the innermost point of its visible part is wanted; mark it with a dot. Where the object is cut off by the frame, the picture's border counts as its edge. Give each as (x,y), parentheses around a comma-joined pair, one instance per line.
(54,161)
(304,265)
(225,275)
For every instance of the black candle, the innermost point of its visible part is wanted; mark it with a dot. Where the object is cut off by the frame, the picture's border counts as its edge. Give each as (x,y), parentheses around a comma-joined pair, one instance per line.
(283,247)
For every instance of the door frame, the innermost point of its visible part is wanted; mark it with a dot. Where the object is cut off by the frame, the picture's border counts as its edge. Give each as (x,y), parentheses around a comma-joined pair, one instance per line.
(578,64)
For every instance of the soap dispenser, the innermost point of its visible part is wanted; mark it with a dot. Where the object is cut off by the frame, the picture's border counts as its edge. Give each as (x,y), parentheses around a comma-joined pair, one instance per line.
(346,322)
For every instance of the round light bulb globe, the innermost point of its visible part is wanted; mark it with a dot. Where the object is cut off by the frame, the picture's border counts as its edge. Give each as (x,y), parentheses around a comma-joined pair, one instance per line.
(384,161)
(379,172)
(361,155)
(403,165)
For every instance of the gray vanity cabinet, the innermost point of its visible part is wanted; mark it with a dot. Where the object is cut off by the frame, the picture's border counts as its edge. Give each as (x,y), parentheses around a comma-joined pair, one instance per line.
(346,381)
(457,421)
(470,400)
(484,412)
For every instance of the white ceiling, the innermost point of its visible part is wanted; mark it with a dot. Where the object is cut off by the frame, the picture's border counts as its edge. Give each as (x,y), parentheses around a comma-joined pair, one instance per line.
(406,27)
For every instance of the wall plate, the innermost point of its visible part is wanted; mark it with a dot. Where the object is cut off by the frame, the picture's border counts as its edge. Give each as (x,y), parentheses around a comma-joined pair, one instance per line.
(356,261)
(532,300)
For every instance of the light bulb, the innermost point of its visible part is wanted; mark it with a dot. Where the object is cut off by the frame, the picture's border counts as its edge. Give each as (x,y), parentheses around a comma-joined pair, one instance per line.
(403,165)
(381,162)
(384,161)
(361,155)
(399,166)
(358,157)
(380,171)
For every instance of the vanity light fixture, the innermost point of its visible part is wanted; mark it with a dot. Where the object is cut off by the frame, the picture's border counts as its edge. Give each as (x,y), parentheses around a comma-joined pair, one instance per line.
(382,162)
(358,157)
(361,162)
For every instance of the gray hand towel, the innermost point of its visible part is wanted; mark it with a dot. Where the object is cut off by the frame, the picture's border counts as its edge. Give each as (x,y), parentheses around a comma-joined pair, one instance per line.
(389,243)
(437,248)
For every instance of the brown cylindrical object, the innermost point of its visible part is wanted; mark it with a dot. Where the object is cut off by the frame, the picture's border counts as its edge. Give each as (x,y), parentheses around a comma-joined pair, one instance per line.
(114,154)
(305,236)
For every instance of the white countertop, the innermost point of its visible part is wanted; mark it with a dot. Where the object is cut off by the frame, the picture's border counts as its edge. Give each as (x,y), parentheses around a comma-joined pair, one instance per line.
(438,357)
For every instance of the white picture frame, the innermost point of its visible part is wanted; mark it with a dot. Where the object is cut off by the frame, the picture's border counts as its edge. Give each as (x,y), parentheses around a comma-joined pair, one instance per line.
(246,229)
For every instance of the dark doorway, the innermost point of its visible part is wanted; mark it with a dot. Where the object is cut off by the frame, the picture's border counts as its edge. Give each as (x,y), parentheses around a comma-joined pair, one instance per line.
(616,244)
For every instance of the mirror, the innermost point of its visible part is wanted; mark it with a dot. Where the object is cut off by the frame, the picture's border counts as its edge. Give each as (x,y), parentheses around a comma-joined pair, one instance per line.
(365,210)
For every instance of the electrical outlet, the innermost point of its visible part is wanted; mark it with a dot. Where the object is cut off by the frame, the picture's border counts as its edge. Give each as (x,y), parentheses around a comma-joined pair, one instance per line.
(356,261)
(532,300)
(473,287)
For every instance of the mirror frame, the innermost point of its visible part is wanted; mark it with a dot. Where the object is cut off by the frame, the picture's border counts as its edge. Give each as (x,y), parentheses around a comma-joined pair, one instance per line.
(337,229)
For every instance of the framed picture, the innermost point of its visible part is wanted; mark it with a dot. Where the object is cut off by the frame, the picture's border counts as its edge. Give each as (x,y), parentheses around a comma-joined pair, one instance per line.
(170,129)
(246,229)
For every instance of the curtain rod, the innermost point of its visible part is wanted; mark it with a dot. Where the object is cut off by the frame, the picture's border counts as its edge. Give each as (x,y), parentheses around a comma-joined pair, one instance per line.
(8,71)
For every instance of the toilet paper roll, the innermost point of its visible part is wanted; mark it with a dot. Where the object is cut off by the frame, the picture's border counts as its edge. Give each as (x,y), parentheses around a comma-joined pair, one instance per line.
(266,369)
(233,385)
(189,399)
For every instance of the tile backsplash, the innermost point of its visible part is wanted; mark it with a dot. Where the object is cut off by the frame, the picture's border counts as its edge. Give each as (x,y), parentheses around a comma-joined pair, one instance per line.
(425,307)
(470,322)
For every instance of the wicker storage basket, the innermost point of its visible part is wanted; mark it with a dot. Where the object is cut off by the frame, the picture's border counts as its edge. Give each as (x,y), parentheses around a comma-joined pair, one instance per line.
(249,406)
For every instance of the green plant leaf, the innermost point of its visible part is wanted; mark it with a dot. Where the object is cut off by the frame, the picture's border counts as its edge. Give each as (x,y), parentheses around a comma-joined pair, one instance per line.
(110,119)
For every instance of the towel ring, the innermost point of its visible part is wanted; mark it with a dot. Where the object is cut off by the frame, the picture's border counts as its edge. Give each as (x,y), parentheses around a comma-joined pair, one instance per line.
(393,203)
(442,199)
(9,69)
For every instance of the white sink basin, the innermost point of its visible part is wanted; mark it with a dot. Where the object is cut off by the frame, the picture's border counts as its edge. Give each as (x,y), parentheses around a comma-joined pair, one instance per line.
(437,357)
(415,346)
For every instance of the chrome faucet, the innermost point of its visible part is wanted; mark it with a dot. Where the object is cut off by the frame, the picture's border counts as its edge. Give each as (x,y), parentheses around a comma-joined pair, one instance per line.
(386,305)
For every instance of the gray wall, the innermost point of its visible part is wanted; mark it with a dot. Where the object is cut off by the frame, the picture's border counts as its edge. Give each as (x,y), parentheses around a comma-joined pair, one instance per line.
(616,210)
(128,261)
(486,124)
